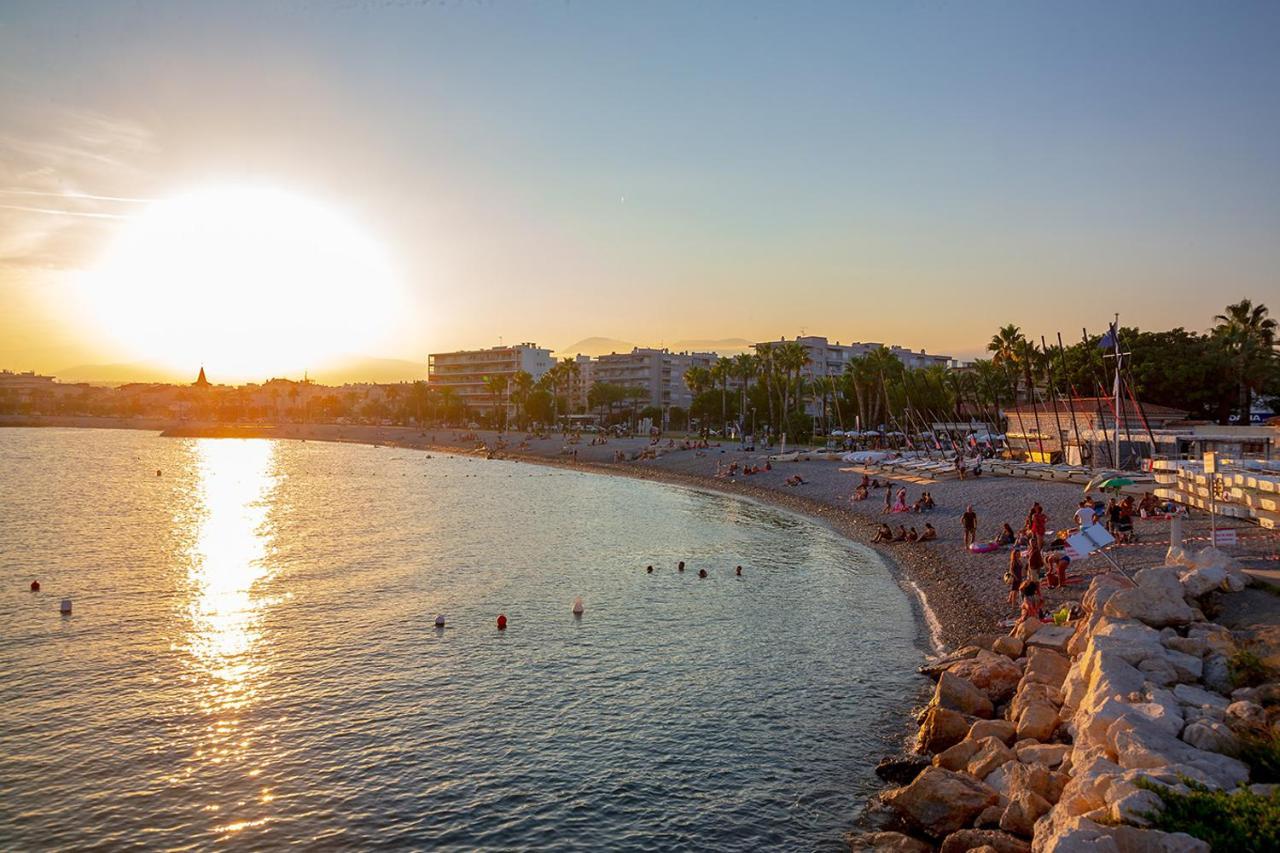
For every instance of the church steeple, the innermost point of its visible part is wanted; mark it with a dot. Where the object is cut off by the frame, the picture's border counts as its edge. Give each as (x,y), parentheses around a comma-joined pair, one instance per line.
(201,382)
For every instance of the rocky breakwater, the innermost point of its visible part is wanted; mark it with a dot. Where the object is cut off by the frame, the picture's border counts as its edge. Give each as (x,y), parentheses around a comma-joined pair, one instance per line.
(1050,739)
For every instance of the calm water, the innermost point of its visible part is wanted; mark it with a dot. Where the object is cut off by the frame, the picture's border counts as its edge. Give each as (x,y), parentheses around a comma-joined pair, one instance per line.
(252,663)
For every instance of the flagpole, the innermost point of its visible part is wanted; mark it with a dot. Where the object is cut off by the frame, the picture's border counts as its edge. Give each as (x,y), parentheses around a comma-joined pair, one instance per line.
(1115,339)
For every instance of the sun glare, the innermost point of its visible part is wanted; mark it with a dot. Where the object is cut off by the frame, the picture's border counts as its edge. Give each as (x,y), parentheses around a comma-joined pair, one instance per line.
(247,282)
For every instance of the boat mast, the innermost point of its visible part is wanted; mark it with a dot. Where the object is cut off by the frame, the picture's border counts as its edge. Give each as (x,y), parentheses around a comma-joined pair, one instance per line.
(1115,339)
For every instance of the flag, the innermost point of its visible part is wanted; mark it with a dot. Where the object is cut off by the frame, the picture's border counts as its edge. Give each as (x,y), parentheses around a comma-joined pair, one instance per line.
(1108,341)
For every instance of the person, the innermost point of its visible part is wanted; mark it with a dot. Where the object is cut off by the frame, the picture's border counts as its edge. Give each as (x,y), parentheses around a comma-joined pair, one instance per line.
(738,571)
(1039,521)
(888,496)
(1021,539)
(912,535)
(928,500)
(1126,519)
(1035,558)
(900,505)
(1006,536)
(1013,574)
(929,533)
(860,494)
(1113,518)
(1084,515)
(649,569)
(884,534)
(918,506)
(970,522)
(1031,600)
(901,535)
(960,465)
(702,573)
(680,566)
(1057,565)
(866,481)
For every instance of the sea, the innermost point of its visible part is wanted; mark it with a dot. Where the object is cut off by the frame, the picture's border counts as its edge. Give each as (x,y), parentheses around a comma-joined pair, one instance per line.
(251,660)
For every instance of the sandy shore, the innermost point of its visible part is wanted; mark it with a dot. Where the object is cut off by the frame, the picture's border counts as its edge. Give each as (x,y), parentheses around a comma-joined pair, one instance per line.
(964,591)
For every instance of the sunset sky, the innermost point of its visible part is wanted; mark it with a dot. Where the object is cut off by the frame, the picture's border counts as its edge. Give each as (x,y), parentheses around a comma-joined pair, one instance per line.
(276,184)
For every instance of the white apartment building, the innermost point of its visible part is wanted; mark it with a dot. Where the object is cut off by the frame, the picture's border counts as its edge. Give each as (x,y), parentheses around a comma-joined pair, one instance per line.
(464,371)
(658,371)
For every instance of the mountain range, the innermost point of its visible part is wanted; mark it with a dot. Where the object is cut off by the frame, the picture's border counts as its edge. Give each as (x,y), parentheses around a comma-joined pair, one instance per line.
(598,346)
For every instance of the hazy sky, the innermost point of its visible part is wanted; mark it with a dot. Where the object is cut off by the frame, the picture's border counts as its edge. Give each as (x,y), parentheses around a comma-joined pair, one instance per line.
(917,173)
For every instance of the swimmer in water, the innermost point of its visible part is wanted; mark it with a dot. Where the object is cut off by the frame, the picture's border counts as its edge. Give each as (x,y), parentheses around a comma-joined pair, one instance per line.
(680,566)
(738,571)
(649,569)
(702,573)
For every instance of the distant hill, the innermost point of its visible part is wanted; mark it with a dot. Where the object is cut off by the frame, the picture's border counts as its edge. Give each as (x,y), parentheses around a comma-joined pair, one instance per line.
(120,374)
(352,368)
(723,346)
(595,346)
(369,369)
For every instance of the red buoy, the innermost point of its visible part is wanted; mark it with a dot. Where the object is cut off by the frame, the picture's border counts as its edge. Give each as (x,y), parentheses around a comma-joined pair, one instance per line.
(502,622)
(35,586)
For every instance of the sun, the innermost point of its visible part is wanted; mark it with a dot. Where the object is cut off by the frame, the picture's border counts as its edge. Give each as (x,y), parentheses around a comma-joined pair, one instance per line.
(248,282)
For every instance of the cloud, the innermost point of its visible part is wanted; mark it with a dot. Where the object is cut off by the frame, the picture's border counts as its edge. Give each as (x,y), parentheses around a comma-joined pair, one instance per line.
(84,159)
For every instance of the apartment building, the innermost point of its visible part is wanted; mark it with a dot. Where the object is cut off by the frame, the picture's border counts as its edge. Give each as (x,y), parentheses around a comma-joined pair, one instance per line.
(658,371)
(464,371)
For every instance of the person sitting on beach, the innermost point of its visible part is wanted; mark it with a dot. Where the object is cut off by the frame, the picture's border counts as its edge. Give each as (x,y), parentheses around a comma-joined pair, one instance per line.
(929,533)
(795,480)
(768,466)
(875,484)
(1021,539)
(1006,536)
(918,506)
(1056,569)
(866,481)
(1031,599)
(912,535)
(883,534)
(928,500)
(901,535)
(860,493)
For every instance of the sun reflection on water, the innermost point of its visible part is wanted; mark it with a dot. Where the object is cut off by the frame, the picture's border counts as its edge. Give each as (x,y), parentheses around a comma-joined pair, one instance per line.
(228,561)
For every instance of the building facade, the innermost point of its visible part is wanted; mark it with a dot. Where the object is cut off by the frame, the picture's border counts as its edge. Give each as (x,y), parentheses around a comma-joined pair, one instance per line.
(658,371)
(464,371)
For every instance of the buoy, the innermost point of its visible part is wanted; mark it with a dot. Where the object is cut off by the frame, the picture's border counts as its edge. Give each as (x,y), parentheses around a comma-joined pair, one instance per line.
(502,622)
(35,586)
(738,571)
(649,569)
(577,607)
(680,566)
(702,573)
(440,620)
(65,607)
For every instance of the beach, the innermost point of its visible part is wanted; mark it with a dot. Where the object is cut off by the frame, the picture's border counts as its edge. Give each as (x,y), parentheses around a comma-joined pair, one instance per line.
(962,594)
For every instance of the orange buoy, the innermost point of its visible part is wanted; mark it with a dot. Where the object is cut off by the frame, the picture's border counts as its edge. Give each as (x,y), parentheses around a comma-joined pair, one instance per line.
(502,621)
(35,586)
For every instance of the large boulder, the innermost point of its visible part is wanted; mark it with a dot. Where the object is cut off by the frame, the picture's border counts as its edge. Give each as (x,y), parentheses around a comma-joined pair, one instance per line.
(1002,729)
(901,769)
(975,839)
(941,728)
(1139,745)
(1045,666)
(1059,832)
(1197,582)
(993,674)
(1038,721)
(958,694)
(1053,637)
(892,842)
(1048,754)
(940,801)
(991,754)
(956,757)
(1157,600)
(1198,697)
(1033,693)
(1024,809)
(1213,736)
(1010,647)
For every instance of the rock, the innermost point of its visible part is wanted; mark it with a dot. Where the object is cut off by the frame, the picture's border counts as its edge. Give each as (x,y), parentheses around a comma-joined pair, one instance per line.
(1128,639)
(1161,710)
(989,818)
(1023,811)
(1187,667)
(1034,778)
(1048,754)
(1194,646)
(1135,806)
(1002,729)
(1197,582)
(940,801)
(956,693)
(1037,721)
(1150,603)
(1245,716)
(994,674)
(1024,630)
(1086,790)
(1033,693)
(1217,638)
(940,729)
(894,842)
(1063,833)
(991,754)
(1189,694)
(956,757)
(1212,736)
(1053,637)
(1267,695)
(1217,674)
(1235,582)
(1045,666)
(1159,671)
(1010,647)
(1140,746)
(900,770)
(972,839)
(936,667)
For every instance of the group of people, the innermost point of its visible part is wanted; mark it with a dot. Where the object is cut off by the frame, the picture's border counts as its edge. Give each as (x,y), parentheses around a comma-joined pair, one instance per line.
(1116,515)
(887,534)
(702,573)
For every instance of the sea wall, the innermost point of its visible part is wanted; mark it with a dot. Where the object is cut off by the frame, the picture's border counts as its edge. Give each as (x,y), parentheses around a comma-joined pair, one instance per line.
(1037,740)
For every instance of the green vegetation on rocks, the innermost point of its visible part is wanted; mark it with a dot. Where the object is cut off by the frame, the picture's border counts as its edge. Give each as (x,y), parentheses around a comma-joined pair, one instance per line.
(1240,821)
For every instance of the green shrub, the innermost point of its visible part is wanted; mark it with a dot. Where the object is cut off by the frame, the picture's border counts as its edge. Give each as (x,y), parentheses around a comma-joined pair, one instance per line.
(1248,670)
(1262,754)
(1240,822)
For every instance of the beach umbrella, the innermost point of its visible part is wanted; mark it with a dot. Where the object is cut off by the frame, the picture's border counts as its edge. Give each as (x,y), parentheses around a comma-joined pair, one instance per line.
(1116,483)
(1097,481)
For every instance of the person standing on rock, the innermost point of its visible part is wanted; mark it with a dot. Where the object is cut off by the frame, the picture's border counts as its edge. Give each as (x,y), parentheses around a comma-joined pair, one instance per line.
(970,522)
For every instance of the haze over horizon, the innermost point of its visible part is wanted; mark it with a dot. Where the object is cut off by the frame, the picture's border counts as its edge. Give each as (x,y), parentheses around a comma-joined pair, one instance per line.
(267,188)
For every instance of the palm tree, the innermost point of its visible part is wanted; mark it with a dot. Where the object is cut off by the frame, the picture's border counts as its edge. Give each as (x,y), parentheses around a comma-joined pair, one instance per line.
(745,366)
(697,379)
(497,387)
(765,370)
(1006,347)
(522,387)
(1249,336)
(720,374)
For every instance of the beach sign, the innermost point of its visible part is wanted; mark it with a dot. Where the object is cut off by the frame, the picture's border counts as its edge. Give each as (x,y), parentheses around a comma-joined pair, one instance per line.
(1224,537)
(1090,539)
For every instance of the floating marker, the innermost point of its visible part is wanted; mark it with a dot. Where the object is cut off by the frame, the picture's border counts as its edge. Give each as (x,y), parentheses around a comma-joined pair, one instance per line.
(440,620)
(502,621)
(577,606)
(65,607)
(35,586)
